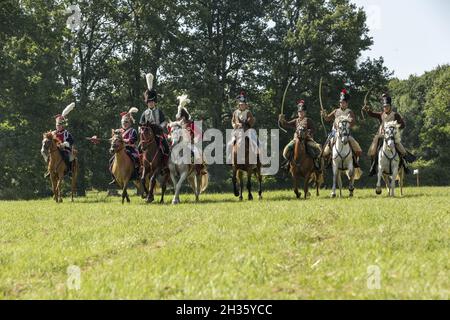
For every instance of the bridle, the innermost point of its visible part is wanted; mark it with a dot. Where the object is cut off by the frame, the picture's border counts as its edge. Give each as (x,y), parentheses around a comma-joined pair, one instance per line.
(143,140)
(390,135)
(343,131)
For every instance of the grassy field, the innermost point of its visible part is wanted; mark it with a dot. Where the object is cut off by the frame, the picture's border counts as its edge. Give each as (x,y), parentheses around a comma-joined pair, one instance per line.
(278,248)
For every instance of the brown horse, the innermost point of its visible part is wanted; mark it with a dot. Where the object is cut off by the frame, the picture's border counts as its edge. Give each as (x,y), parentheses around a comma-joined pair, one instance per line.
(57,166)
(152,161)
(239,169)
(122,166)
(303,165)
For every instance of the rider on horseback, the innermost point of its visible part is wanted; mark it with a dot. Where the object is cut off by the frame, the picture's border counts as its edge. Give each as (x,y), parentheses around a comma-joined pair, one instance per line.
(343,110)
(154,115)
(385,116)
(65,138)
(243,119)
(184,118)
(130,137)
(313,148)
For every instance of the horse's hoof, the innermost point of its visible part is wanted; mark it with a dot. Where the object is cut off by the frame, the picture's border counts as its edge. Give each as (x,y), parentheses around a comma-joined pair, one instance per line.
(236,194)
(378,191)
(149,200)
(351,194)
(241,198)
(250,197)
(260,197)
(333,195)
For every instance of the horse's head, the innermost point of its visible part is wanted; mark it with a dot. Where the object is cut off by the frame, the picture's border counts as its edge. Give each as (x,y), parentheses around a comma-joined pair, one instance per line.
(391,133)
(47,140)
(147,135)
(343,129)
(178,132)
(117,143)
(301,133)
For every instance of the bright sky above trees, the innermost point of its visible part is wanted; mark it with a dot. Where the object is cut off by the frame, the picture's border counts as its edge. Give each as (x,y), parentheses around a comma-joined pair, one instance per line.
(413,36)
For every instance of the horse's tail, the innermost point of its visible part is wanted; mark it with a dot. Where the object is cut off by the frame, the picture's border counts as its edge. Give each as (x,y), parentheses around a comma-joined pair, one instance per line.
(204,183)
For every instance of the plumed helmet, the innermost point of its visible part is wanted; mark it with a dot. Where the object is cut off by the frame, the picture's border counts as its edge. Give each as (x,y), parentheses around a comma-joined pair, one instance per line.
(61,119)
(344,95)
(127,116)
(301,105)
(150,93)
(386,99)
(242,98)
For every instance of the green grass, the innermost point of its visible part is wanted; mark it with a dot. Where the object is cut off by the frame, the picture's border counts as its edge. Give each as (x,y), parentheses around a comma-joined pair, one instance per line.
(278,248)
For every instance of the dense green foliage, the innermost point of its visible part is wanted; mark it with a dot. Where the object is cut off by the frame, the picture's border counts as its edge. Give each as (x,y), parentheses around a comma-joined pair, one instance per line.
(209,49)
(277,248)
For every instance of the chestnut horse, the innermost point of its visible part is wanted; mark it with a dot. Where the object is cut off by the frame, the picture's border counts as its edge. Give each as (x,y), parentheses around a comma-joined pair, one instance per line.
(57,166)
(152,161)
(240,168)
(303,165)
(122,166)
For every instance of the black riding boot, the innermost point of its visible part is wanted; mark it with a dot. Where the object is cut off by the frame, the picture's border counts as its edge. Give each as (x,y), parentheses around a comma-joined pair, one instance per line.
(317,164)
(404,163)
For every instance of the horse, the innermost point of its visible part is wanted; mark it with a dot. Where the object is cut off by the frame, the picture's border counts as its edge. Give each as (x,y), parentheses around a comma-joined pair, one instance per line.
(57,166)
(179,169)
(122,166)
(389,160)
(152,161)
(303,165)
(342,158)
(240,168)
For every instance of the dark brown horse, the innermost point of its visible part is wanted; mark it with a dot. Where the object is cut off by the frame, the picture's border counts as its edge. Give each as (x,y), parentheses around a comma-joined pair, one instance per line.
(246,166)
(152,161)
(57,166)
(302,165)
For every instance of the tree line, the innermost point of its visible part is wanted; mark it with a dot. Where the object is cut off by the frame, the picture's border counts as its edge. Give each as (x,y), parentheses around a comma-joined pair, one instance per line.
(207,49)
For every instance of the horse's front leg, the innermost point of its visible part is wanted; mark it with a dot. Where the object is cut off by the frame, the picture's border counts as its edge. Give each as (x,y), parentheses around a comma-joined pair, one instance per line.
(306,185)
(260,184)
(143,182)
(249,184)
(234,181)
(150,196)
(351,173)
(198,182)
(241,184)
(163,188)
(379,176)
(176,198)
(335,173)
(392,185)
(58,189)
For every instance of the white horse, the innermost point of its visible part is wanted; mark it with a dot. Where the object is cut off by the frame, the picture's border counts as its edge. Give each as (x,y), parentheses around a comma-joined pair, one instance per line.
(389,159)
(343,158)
(180,166)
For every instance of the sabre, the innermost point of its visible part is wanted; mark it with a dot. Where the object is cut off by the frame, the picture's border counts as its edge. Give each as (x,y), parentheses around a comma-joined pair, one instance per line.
(282,103)
(365,102)
(96,140)
(321,108)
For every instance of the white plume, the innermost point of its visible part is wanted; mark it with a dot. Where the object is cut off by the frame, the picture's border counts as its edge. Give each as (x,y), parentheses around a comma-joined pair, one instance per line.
(149,77)
(183,100)
(133,110)
(67,110)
